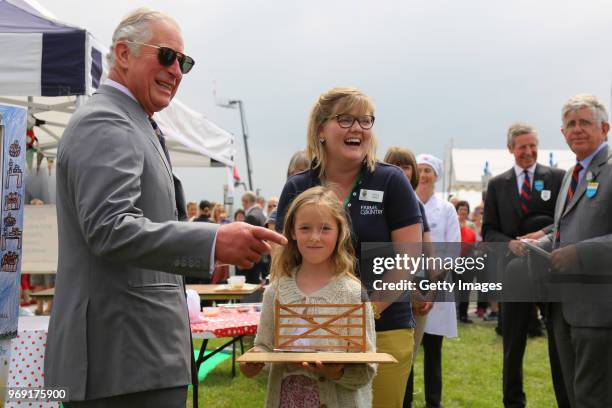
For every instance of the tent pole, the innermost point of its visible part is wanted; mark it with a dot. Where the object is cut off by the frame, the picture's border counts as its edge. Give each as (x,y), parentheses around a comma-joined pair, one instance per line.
(245,138)
(448,173)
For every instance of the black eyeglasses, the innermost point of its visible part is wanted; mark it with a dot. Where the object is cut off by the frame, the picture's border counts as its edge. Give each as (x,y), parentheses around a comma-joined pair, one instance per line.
(346,121)
(166,57)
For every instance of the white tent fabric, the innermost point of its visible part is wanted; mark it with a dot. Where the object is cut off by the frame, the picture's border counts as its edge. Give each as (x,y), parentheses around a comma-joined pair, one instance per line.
(193,140)
(24,51)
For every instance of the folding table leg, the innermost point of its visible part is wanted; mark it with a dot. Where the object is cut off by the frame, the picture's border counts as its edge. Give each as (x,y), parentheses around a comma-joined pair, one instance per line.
(234,358)
(198,363)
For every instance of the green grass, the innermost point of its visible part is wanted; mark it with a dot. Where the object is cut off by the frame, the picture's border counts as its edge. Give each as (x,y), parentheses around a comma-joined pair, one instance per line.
(220,390)
(472,372)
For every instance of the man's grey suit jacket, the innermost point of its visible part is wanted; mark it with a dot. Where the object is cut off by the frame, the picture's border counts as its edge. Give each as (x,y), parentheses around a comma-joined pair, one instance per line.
(119,323)
(587,222)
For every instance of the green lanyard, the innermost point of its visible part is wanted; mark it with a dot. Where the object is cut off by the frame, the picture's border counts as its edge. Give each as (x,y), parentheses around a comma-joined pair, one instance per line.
(348,197)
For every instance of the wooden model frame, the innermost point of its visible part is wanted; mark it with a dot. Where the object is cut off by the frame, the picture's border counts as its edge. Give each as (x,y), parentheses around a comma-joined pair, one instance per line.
(286,316)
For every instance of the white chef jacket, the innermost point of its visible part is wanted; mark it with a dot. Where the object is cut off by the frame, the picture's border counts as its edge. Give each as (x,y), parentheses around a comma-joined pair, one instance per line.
(444,225)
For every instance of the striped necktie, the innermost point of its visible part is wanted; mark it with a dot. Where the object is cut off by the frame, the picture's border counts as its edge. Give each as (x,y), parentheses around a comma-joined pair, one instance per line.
(572,187)
(162,140)
(525,197)
(570,194)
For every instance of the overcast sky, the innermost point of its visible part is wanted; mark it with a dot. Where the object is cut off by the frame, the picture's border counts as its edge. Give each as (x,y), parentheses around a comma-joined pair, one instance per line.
(436,69)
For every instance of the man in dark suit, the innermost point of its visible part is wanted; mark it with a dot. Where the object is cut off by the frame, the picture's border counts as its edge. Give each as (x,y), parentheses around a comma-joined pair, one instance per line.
(581,242)
(204,214)
(119,334)
(253,212)
(515,199)
(254,215)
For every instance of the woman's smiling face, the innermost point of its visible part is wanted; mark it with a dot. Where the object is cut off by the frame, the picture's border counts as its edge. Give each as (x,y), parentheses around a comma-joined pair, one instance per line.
(347,144)
(427,175)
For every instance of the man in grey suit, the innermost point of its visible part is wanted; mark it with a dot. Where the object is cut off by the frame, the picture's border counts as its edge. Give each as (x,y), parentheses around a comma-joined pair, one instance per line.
(252,211)
(581,241)
(119,333)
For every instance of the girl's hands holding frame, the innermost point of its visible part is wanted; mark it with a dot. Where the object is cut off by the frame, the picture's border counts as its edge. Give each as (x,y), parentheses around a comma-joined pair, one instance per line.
(331,371)
(250,370)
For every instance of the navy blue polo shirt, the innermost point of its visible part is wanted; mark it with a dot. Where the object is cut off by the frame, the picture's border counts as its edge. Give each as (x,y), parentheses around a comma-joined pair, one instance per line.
(371,221)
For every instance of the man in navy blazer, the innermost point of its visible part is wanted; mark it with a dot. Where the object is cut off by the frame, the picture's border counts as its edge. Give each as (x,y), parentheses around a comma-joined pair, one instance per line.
(520,201)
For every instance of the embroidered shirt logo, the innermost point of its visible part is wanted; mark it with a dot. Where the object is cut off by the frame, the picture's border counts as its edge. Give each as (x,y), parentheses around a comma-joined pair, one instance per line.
(371,210)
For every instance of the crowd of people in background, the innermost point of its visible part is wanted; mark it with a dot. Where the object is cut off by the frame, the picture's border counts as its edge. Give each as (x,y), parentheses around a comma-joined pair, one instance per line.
(255,210)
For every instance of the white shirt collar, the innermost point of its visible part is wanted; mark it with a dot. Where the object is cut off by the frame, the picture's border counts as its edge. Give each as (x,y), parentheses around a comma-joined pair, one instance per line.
(433,202)
(519,170)
(119,87)
(586,162)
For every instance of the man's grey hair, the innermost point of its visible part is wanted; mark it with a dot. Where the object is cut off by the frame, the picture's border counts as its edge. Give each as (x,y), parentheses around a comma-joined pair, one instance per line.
(298,162)
(136,27)
(518,129)
(249,197)
(584,100)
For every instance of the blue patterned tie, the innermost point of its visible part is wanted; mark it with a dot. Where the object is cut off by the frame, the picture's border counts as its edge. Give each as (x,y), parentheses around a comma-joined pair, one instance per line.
(162,140)
(525,197)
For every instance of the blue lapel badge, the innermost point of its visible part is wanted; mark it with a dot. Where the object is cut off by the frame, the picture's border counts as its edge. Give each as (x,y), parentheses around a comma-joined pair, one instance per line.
(538,185)
(591,190)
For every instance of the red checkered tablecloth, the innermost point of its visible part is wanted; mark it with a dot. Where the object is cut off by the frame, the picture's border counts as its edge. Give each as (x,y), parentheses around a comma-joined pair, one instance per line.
(27,356)
(228,323)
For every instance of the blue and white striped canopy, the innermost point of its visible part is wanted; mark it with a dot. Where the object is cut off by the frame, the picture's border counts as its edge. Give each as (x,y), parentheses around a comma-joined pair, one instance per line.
(43,57)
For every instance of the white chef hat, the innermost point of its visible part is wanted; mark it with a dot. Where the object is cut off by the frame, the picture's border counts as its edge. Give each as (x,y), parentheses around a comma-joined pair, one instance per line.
(432,161)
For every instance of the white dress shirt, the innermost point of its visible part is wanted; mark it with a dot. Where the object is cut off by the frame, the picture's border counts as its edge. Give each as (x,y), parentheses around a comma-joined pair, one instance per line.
(520,176)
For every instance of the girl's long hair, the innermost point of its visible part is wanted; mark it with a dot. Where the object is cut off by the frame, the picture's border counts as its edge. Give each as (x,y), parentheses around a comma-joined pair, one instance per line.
(287,258)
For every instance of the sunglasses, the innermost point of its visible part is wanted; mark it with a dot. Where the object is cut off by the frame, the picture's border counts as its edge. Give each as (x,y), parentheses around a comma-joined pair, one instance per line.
(166,57)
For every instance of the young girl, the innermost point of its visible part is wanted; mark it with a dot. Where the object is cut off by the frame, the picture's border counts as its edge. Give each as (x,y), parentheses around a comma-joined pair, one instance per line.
(316,267)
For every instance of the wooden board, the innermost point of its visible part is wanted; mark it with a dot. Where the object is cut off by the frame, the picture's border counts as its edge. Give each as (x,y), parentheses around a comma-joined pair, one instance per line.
(324,357)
